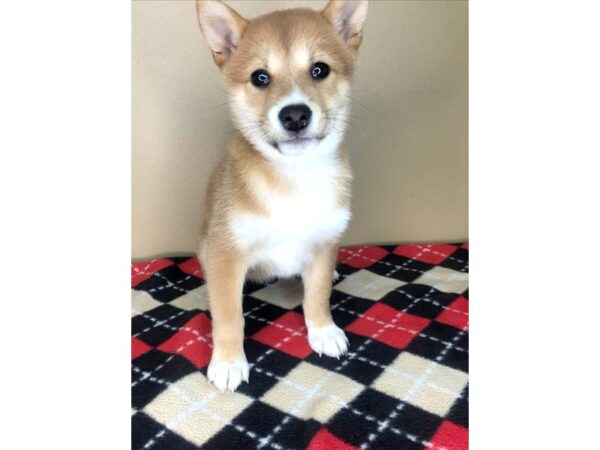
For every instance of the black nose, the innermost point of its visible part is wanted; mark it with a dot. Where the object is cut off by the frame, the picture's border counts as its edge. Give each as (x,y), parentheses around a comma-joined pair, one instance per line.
(295,117)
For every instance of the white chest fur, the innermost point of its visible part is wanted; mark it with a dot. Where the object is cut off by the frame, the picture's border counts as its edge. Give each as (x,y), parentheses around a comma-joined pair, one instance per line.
(281,243)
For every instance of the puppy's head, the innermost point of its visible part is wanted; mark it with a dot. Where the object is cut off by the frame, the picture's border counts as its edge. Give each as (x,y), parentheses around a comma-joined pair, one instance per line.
(288,73)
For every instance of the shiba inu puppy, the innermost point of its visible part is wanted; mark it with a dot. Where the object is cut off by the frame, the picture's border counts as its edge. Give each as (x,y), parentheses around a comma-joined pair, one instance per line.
(279,201)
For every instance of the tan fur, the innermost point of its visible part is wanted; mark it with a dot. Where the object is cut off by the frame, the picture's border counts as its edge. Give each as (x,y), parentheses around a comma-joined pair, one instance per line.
(317,286)
(278,42)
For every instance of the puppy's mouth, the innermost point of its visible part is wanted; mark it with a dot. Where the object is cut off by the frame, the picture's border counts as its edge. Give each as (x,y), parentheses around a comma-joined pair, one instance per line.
(296,144)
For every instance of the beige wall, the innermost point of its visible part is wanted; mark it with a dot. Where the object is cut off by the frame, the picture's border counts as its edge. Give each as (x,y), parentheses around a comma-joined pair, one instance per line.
(408,141)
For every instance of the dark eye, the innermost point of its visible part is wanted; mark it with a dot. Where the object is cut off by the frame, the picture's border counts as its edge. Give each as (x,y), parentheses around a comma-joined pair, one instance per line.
(260,78)
(319,71)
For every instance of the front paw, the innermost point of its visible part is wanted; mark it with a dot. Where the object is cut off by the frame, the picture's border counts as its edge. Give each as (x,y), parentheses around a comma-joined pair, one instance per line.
(329,339)
(228,374)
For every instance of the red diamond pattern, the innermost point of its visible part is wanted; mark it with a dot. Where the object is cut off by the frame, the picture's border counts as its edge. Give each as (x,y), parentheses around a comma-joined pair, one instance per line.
(324,440)
(373,321)
(361,257)
(143,271)
(192,267)
(457,314)
(431,253)
(451,437)
(279,335)
(192,341)
(138,348)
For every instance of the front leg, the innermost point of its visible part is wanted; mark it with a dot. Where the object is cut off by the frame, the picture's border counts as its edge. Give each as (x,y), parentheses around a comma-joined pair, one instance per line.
(225,273)
(324,336)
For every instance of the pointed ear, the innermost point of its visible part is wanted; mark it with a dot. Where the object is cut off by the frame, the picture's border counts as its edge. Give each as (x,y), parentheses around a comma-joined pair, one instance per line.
(347,17)
(221,26)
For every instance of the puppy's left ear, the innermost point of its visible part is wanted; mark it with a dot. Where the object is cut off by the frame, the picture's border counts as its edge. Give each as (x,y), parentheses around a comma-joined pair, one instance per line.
(347,17)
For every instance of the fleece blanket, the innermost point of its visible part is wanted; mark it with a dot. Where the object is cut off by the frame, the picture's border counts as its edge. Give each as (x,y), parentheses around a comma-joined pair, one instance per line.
(402,385)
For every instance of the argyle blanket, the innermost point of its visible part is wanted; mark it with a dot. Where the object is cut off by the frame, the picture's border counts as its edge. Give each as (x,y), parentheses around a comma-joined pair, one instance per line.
(402,385)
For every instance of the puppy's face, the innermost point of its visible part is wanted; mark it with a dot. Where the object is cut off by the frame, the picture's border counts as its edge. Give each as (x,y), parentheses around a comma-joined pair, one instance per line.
(288,73)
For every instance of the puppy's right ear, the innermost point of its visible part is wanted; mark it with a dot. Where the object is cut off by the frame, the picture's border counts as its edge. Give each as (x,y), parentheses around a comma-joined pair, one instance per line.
(222,27)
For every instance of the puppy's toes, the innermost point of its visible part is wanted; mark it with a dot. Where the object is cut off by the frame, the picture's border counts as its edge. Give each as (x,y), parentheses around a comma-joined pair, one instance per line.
(329,340)
(228,375)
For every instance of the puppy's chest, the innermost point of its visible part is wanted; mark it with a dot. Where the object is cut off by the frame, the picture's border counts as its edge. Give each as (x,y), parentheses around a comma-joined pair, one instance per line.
(310,214)
(297,220)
